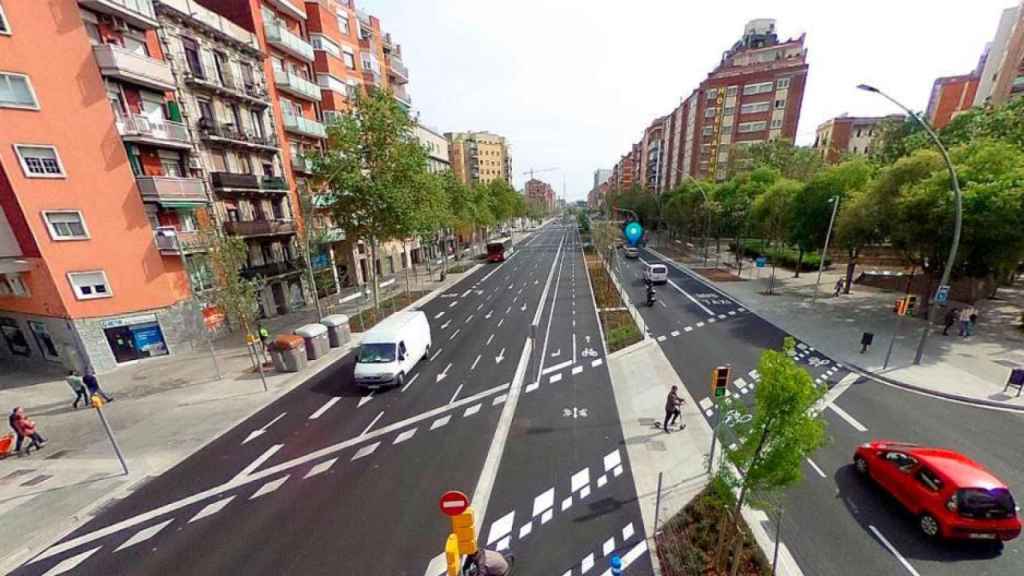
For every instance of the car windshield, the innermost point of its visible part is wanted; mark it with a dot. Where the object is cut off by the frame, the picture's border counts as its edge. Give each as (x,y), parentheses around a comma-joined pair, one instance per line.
(376,353)
(982,503)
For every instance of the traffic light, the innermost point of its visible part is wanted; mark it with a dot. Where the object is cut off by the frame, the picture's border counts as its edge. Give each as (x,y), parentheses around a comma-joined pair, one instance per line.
(911,302)
(720,380)
(901,307)
(451,554)
(464,530)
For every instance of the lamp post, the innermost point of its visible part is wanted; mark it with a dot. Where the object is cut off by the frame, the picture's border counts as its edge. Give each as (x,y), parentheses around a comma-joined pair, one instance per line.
(957,223)
(707,210)
(828,236)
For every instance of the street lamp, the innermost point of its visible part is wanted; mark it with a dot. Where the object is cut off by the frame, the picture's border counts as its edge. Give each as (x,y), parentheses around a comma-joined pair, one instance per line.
(828,235)
(957,223)
(707,210)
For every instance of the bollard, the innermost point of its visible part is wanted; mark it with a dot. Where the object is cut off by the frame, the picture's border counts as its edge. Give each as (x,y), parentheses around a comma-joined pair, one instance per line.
(97,403)
(616,564)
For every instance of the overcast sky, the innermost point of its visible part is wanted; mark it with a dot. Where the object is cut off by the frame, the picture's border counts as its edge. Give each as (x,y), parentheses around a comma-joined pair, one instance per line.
(572,83)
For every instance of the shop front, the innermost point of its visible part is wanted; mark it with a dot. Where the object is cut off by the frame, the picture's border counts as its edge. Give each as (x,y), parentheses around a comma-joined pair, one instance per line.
(135,337)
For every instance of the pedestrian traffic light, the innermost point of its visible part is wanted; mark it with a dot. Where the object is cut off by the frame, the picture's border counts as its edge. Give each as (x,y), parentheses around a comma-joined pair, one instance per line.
(720,380)
(911,302)
(464,530)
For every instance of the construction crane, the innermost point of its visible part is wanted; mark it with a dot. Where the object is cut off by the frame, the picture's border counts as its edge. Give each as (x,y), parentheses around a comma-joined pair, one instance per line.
(532,171)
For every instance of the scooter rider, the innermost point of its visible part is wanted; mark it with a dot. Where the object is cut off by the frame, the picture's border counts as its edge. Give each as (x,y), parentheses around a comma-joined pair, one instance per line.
(488,563)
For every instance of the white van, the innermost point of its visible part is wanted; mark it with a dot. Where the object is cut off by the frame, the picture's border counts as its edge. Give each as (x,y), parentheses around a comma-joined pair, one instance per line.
(656,273)
(391,349)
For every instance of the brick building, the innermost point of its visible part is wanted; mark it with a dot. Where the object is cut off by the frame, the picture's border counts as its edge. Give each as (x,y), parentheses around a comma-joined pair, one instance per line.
(540,192)
(845,135)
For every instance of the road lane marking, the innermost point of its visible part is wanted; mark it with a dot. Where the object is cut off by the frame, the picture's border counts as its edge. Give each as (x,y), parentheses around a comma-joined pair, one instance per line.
(688,329)
(543,502)
(611,460)
(469,319)
(608,546)
(405,436)
(566,503)
(555,378)
(262,430)
(500,322)
(143,535)
(580,479)
(633,554)
(577,370)
(674,333)
(366,451)
(587,563)
(849,419)
(71,563)
(596,363)
(326,465)
(270,487)
(438,315)
(327,405)
(700,324)
(456,395)
(489,338)
(259,461)
(816,468)
(473,367)
(627,532)
(362,401)
(472,410)
(893,550)
(440,422)
(662,338)
(531,387)
(454,334)
(211,509)
(409,383)
(692,299)
(556,367)
(367,429)
(453,304)
(501,527)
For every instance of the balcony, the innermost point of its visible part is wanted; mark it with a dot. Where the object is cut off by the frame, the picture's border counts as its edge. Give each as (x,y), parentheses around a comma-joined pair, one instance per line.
(296,11)
(230,87)
(304,126)
(271,269)
(163,133)
(260,228)
(399,71)
(402,96)
(171,241)
(228,133)
(117,62)
(296,85)
(226,182)
(279,37)
(171,191)
(137,12)
(302,165)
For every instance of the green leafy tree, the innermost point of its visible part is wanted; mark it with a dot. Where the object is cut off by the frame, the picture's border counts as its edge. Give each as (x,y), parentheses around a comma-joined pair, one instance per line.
(772,211)
(896,138)
(794,162)
(857,226)
(1003,123)
(370,170)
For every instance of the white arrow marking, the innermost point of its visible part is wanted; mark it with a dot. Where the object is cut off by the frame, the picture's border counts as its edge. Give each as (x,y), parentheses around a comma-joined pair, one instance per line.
(556,353)
(260,431)
(444,373)
(362,401)
(500,356)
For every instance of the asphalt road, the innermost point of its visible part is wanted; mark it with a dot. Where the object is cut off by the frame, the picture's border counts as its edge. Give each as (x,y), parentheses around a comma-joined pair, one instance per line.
(330,479)
(833,522)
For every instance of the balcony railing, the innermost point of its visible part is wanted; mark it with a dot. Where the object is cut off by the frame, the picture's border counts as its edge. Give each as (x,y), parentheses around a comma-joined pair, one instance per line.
(279,36)
(137,12)
(304,126)
(129,66)
(302,165)
(229,182)
(296,85)
(399,70)
(402,96)
(171,189)
(157,132)
(260,227)
(271,269)
(170,240)
(230,133)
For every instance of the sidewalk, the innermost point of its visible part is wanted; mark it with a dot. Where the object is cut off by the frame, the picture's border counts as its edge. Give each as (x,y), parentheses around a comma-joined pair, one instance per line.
(54,490)
(642,376)
(971,369)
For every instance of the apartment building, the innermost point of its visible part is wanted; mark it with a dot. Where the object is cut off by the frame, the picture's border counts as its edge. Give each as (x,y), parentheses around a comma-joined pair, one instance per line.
(539,191)
(1007,57)
(653,153)
(625,172)
(93,158)
(479,157)
(844,135)
(437,149)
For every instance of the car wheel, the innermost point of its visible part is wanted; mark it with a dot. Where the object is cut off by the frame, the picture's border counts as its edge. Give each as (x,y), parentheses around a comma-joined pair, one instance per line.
(861,465)
(929,525)
(400,380)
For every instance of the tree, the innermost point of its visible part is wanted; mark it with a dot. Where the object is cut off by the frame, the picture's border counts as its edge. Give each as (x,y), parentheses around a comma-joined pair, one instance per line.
(857,225)
(786,427)
(370,170)
(772,211)
(1003,123)
(897,138)
(793,162)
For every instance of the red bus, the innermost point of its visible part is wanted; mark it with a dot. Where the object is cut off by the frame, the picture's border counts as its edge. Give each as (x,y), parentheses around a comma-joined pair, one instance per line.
(498,250)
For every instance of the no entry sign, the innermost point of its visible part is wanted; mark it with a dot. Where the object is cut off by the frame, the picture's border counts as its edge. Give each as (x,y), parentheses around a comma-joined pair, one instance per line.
(454,503)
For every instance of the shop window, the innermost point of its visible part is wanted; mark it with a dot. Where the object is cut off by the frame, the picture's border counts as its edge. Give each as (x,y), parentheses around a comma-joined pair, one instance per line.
(15,338)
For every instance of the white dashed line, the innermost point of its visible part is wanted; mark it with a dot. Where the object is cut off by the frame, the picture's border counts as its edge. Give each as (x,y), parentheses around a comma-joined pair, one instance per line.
(472,410)
(366,451)
(688,329)
(849,419)
(577,370)
(405,436)
(543,502)
(893,550)
(816,468)
(145,534)
(501,528)
(325,466)
(367,429)
(211,509)
(71,563)
(580,479)
(555,378)
(269,487)
(440,422)
(320,411)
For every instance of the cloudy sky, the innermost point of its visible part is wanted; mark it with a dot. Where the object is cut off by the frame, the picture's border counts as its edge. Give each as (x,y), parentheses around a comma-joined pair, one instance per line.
(572,83)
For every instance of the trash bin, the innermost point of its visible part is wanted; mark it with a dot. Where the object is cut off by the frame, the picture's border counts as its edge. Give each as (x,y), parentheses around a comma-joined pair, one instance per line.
(288,353)
(317,343)
(337,329)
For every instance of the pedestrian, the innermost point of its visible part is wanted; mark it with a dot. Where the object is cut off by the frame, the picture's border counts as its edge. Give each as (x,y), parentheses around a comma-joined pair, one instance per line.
(27,429)
(78,387)
(17,432)
(972,318)
(951,317)
(839,288)
(93,386)
(965,319)
(672,412)
(263,333)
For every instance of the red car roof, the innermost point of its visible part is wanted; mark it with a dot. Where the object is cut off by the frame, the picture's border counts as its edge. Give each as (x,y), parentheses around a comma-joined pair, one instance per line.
(960,469)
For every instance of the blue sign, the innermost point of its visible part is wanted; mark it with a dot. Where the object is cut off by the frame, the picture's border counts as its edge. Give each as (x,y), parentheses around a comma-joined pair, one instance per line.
(149,338)
(761,261)
(634,232)
(320,261)
(616,565)
(942,296)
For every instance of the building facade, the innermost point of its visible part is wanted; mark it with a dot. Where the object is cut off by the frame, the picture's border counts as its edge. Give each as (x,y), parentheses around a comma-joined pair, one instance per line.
(540,192)
(1008,81)
(479,157)
(845,135)
(437,149)
(950,96)
(601,175)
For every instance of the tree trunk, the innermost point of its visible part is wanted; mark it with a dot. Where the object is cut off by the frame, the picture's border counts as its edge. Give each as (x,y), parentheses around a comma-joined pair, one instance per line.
(737,513)
(851,263)
(799,261)
(373,273)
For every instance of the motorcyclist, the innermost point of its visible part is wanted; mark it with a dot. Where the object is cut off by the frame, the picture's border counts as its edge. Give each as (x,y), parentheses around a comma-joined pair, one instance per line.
(488,563)
(650,293)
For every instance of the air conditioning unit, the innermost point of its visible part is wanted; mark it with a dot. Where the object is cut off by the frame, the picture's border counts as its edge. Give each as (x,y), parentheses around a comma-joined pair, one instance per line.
(193,163)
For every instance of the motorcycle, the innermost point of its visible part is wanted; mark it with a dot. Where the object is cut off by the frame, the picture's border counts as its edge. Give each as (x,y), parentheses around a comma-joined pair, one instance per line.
(650,296)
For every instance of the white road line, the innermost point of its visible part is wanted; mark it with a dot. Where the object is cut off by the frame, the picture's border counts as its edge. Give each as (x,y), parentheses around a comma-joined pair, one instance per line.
(507,310)
(500,322)
(143,535)
(466,293)
(555,378)
(596,363)
(211,509)
(454,334)
(471,410)
(367,429)
(366,451)
(438,315)
(700,324)
(324,466)
(453,304)
(473,367)
(556,367)
(816,468)
(531,387)
(456,395)
(577,370)
(692,299)
(611,460)
(627,532)
(259,461)
(479,306)
(580,479)
(688,329)
(608,546)
(405,436)
(501,527)
(587,563)
(436,354)
(633,554)
(440,422)
(543,502)
(270,487)
(849,419)
(893,550)
(525,530)
(674,333)
(566,503)
(71,563)
(469,319)
(499,399)
(327,405)
(662,338)
(409,383)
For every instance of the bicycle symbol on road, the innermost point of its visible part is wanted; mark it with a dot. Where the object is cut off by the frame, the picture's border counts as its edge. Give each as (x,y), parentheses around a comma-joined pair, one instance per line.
(733,417)
(817,362)
(713,299)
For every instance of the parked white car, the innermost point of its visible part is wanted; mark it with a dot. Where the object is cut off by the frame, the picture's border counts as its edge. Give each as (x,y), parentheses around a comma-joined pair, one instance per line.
(391,349)
(656,273)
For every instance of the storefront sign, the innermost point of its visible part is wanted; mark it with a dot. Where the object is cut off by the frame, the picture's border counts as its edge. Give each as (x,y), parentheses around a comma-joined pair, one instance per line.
(129,320)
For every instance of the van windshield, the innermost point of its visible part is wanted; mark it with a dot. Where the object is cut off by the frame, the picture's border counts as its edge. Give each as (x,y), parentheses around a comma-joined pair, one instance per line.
(376,353)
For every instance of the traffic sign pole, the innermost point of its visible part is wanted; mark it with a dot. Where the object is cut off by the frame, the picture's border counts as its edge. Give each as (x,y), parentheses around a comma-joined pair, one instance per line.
(97,403)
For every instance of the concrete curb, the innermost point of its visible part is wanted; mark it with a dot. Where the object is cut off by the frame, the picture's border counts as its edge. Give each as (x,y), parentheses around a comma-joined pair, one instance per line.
(980,402)
(632,348)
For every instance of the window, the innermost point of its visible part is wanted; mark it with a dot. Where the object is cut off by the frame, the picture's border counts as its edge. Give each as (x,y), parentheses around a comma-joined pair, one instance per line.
(754,108)
(321,42)
(90,285)
(66,225)
(762,88)
(752,126)
(39,161)
(902,461)
(257,124)
(731,91)
(343,23)
(5,28)
(12,285)
(780,104)
(220,62)
(782,83)
(710,112)
(187,220)
(247,76)
(712,93)
(206,116)
(16,91)
(776,123)
(350,60)
(728,110)
(195,64)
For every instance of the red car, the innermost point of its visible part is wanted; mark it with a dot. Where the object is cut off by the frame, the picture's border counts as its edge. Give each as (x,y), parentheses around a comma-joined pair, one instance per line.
(952,496)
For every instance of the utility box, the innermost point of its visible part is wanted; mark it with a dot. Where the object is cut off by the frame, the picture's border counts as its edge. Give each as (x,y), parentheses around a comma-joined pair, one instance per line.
(338,333)
(317,343)
(288,353)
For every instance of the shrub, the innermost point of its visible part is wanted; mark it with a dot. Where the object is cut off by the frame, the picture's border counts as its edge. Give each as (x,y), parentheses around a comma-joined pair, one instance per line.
(785,257)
